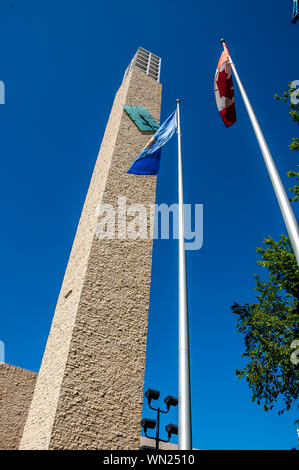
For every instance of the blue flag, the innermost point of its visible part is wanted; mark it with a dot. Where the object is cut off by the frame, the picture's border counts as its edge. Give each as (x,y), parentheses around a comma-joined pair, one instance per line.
(148,161)
(295,11)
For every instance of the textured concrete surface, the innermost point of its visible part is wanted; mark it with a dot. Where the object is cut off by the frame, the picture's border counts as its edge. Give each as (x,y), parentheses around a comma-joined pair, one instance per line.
(89,391)
(148,442)
(16,390)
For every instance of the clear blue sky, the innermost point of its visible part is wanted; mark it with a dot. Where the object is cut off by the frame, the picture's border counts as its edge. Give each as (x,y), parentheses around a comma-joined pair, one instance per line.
(62,62)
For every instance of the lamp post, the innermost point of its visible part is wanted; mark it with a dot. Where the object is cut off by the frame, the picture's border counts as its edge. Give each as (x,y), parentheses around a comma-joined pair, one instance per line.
(146,423)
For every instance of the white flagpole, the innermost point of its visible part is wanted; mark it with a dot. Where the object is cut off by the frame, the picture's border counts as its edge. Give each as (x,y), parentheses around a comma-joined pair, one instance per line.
(283,201)
(184,428)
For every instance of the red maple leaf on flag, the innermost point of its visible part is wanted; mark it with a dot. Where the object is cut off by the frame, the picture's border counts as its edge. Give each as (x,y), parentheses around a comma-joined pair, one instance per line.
(225,85)
(224,93)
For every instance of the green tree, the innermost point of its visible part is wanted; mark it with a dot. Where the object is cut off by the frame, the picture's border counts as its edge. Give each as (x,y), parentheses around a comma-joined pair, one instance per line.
(291,97)
(271,324)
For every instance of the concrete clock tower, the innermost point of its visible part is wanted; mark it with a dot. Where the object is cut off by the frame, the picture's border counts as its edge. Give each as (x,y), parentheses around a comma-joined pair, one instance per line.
(89,390)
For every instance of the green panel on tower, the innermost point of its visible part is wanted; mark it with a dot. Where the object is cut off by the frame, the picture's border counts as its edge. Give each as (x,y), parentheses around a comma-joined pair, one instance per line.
(142,118)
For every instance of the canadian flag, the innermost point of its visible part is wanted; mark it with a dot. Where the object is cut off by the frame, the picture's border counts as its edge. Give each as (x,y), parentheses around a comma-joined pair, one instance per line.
(224,90)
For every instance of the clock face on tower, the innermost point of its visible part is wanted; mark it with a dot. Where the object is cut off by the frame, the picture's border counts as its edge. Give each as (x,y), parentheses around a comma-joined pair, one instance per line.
(142,118)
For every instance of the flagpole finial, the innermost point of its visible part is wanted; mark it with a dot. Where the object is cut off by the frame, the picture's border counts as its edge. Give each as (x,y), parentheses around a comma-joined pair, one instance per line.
(222,40)
(177,100)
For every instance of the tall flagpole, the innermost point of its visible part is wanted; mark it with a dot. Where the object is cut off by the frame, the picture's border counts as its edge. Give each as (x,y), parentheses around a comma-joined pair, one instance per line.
(184,430)
(283,201)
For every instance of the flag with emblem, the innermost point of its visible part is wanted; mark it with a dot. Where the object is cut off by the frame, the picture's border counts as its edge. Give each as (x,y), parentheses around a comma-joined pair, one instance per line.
(148,161)
(224,90)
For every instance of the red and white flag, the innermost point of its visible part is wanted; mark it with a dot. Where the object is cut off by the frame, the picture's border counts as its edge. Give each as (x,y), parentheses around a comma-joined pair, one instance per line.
(224,90)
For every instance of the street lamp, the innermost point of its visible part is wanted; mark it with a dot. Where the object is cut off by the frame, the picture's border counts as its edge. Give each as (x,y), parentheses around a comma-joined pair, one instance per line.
(146,424)
(151,394)
(171,429)
(170,401)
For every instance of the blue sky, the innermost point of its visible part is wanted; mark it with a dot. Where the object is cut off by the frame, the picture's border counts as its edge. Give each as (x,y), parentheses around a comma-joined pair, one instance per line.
(62,62)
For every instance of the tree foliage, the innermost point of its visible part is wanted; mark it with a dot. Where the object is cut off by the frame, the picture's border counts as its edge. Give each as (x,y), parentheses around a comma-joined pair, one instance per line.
(291,97)
(271,324)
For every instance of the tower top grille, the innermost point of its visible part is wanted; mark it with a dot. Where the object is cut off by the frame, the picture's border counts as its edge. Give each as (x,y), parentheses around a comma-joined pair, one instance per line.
(147,62)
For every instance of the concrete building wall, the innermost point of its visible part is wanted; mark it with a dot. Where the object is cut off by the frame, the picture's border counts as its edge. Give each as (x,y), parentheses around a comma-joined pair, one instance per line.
(151,443)
(148,443)
(16,390)
(90,386)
